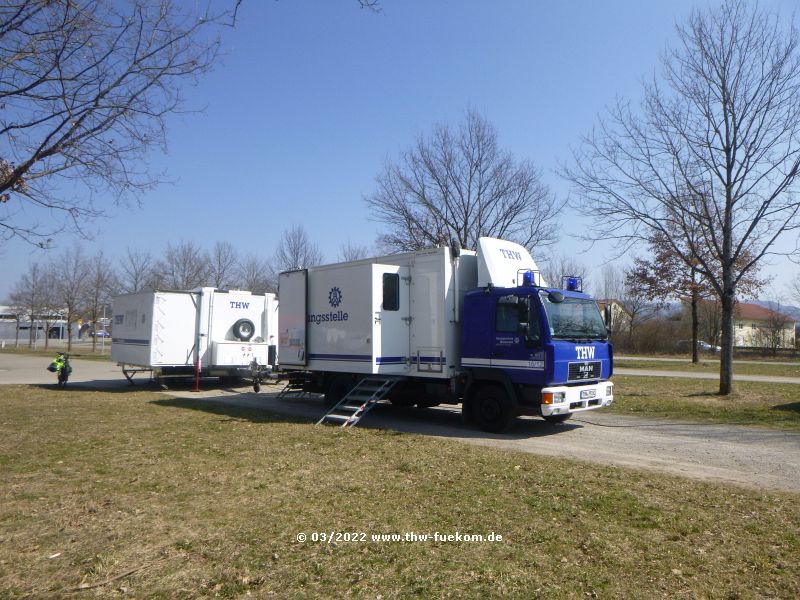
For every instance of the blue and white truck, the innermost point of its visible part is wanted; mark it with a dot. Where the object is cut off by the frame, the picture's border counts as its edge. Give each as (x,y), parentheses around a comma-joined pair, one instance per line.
(445,325)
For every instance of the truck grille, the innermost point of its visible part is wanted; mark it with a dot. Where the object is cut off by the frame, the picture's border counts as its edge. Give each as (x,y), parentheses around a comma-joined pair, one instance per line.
(578,371)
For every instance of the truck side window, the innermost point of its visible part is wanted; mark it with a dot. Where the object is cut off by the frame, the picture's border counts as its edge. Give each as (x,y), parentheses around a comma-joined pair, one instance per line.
(515,315)
(391,291)
(507,316)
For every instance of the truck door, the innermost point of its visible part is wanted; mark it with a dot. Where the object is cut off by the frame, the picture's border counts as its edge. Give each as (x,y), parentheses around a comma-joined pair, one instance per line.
(516,343)
(392,320)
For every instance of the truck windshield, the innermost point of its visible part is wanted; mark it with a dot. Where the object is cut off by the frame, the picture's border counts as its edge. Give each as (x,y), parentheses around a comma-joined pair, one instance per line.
(574,319)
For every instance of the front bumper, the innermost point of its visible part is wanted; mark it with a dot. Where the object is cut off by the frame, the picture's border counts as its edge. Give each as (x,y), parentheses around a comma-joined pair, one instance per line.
(577,398)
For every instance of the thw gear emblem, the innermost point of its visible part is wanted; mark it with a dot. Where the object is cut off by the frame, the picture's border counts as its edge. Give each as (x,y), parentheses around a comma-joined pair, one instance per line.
(335,297)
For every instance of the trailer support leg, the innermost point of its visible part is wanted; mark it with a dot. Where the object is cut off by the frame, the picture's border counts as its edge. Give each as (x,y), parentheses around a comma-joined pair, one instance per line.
(197,375)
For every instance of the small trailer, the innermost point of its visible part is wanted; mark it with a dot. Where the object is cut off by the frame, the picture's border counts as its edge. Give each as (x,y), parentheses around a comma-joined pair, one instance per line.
(445,325)
(204,332)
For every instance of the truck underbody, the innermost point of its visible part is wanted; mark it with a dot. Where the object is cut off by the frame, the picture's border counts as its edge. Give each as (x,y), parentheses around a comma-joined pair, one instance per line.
(487,398)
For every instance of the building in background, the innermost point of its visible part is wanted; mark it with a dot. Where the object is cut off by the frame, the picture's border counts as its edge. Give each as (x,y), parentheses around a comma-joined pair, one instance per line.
(756,326)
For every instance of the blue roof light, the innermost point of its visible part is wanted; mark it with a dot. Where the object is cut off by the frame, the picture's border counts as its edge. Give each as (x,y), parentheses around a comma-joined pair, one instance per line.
(572,283)
(527,278)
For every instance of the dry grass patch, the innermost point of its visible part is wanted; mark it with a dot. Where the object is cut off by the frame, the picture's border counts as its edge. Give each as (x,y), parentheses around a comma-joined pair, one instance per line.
(206,500)
(711,366)
(774,405)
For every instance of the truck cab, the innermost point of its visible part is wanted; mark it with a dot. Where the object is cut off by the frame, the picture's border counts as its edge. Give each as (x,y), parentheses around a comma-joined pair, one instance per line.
(532,350)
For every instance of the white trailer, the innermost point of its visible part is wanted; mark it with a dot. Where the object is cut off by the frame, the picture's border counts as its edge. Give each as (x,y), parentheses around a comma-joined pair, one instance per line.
(201,332)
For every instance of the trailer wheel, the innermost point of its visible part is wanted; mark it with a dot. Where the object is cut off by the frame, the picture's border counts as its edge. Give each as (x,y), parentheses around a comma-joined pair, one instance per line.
(492,409)
(243,329)
(557,418)
(338,388)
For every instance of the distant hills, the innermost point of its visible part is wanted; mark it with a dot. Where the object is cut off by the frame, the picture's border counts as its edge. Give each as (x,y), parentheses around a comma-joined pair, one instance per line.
(786,309)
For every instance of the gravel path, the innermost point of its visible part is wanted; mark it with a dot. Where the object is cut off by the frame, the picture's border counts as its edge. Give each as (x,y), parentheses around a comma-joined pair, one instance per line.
(757,458)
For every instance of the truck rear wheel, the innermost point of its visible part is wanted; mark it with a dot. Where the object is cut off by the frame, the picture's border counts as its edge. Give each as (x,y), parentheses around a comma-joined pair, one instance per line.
(492,409)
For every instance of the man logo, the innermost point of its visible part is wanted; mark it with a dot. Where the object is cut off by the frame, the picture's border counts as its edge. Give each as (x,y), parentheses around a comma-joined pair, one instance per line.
(335,297)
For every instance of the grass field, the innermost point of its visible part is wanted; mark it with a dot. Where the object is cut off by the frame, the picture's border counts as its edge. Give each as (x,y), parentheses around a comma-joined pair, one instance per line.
(711,366)
(185,498)
(764,404)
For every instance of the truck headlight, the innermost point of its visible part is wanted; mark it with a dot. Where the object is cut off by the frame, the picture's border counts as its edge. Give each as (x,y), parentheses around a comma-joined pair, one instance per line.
(553,397)
(609,389)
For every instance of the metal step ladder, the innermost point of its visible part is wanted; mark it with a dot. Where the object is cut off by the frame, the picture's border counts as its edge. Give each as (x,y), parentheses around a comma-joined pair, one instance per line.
(359,401)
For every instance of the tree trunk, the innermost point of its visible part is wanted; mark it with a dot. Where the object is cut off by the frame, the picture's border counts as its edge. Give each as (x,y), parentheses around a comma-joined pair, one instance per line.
(69,332)
(695,325)
(726,354)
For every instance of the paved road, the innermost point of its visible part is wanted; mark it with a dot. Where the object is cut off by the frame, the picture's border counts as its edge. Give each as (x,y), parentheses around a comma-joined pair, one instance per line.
(26,369)
(759,458)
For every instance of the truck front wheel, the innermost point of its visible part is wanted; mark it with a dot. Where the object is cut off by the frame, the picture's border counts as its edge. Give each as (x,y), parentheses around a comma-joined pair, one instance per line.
(492,409)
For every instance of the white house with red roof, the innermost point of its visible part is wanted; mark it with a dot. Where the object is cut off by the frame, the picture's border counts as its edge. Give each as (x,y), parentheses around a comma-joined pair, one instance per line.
(756,326)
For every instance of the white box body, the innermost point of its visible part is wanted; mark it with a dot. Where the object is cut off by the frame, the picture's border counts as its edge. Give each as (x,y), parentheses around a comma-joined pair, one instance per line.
(177,329)
(336,318)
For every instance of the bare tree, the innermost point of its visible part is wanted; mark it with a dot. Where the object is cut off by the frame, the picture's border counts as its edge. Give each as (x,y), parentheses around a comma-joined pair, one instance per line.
(185,266)
(666,275)
(296,251)
(556,266)
(27,295)
(86,87)
(255,274)
(713,152)
(460,184)
(137,272)
(611,285)
(775,331)
(98,288)
(49,302)
(224,259)
(638,306)
(349,251)
(72,271)
(794,287)
(16,302)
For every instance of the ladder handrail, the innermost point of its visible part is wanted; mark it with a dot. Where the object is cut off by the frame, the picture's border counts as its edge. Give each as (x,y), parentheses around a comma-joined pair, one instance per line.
(363,405)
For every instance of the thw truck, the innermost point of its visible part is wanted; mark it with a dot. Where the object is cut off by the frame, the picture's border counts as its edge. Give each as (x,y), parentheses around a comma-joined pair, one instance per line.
(200,332)
(448,326)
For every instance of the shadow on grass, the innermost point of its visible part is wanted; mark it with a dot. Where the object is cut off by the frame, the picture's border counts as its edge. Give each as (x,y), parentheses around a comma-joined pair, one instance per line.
(121,386)
(109,387)
(705,395)
(232,411)
(793,407)
(438,422)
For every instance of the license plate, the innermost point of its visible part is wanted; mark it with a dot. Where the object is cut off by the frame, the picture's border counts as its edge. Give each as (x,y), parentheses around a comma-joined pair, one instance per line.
(588,394)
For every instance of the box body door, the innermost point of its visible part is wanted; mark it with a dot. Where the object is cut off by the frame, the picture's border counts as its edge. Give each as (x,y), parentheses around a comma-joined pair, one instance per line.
(392,319)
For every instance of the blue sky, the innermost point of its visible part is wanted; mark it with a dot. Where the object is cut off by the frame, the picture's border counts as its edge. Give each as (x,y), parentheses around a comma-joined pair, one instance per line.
(312,97)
